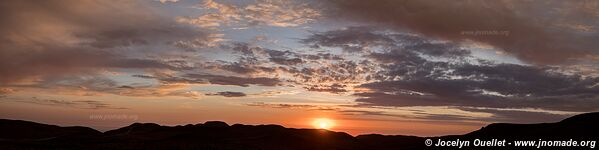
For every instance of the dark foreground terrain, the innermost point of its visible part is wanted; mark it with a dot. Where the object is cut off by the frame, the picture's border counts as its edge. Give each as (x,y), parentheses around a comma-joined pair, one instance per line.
(16,134)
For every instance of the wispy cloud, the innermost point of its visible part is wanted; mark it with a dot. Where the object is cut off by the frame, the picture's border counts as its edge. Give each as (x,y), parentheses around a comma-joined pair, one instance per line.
(80,104)
(228,94)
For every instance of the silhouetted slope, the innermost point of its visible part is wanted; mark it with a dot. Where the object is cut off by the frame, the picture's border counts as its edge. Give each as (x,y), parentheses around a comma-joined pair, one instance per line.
(583,125)
(17,129)
(219,135)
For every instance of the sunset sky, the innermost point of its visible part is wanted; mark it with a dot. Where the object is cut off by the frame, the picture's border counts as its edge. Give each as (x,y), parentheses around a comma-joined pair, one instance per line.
(407,67)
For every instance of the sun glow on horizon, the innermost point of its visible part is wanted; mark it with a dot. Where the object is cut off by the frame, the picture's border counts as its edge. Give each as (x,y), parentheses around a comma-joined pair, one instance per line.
(323,123)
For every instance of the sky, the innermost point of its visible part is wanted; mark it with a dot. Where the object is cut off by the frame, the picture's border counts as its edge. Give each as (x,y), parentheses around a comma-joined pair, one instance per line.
(410,67)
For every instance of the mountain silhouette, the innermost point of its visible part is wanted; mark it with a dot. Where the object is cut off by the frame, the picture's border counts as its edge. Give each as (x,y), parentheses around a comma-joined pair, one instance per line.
(17,134)
(583,125)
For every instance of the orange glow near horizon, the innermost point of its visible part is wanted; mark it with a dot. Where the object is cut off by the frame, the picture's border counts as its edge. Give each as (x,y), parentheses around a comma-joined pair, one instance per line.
(323,123)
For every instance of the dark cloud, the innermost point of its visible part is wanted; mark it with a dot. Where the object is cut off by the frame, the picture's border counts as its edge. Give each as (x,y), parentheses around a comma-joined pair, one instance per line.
(352,39)
(292,106)
(322,56)
(323,72)
(382,52)
(215,79)
(369,39)
(250,50)
(410,70)
(17,65)
(228,94)
(494,86)
(54,38)
(231,80)
(143,76)
(545,32)
(286,58)
(241,67)
(331,76)
(286,61)
(334,88)
(126,87)
(519,80)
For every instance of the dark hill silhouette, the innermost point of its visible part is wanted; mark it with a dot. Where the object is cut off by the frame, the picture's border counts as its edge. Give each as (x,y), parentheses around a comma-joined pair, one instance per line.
(583,125)
(16,134)
(17,129)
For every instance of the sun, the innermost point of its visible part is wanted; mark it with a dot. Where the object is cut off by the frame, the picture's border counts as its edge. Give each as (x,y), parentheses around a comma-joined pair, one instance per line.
(323,123)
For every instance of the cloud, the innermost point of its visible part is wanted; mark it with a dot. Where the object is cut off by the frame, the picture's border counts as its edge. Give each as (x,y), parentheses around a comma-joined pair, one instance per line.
(98,85)
(321,56)
(163,90)
(245,68)
(413,116)
(372,39)
(228,94)
(413,70)
(275,93)
(536,28)
(168,1)
(81,37)
(6,91)
(285,61)
(231,80)
(491,85)
(518,116)
(316,72)
(309,70)
(334,88)
(81,104)
(207,40)
(214,79)
(280,13)
(55,61)
(286,58)
(379,52)
(459,115)
(291,106)
(351,39)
